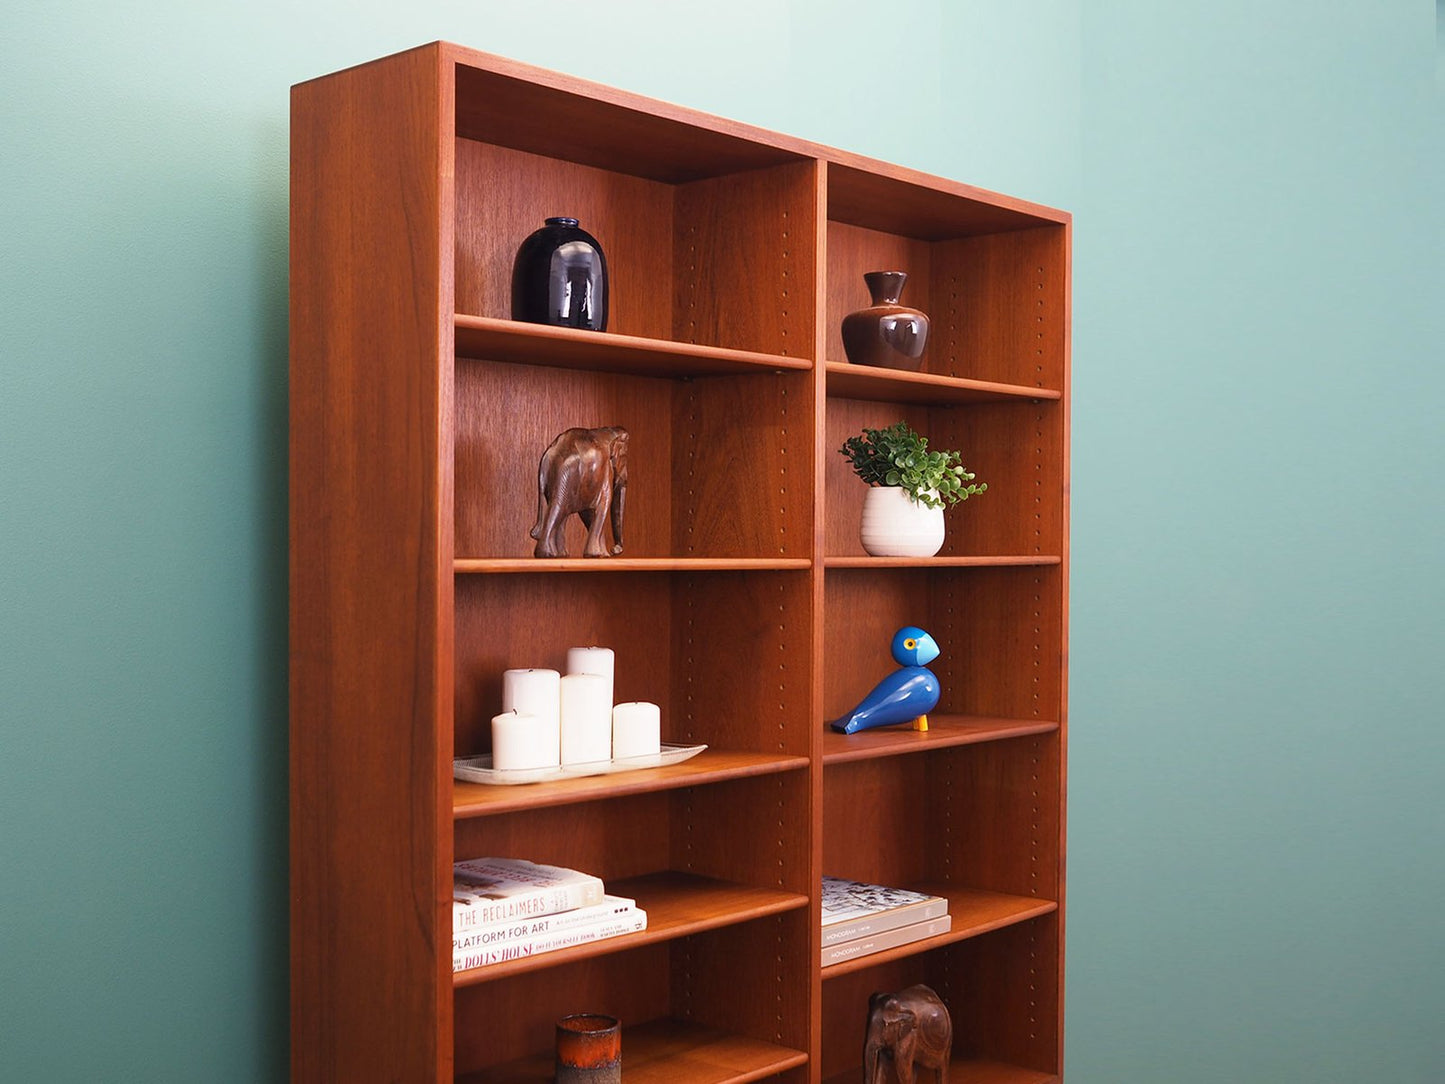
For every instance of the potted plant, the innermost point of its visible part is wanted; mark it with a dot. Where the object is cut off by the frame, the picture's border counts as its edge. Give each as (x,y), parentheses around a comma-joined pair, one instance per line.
(909,487)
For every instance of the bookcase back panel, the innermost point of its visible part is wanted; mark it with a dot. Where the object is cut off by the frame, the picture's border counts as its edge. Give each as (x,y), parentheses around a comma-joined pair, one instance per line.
(1001,305)
(1005,653)
(1018,449)
(744,258)
(516,621)
(1004,994)
(1015,448)
(505,195)
(508,415)
(717,467)
(499,1022)
(852,252)
(878,823)
(1000,801)
(768,958)
(621,837)
(845,1011)
(741,676)
(751,831)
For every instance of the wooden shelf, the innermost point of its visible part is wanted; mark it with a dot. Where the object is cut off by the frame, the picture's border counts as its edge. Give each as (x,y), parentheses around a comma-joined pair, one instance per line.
(473,565)
(743,605)
(492,339)
(677,904)
(855,560)
(970,1071)
(667,1052)
(848,381)
(944,731)
(709,766)
(974,912)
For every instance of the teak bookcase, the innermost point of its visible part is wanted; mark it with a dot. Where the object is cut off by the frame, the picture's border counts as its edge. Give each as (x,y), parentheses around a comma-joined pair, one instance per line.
(743,603)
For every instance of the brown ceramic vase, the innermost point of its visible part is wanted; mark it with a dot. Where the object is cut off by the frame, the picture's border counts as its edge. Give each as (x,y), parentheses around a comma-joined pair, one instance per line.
(886,333)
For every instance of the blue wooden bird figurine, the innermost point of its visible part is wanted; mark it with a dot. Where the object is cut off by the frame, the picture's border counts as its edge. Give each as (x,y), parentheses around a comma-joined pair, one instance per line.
(906,695)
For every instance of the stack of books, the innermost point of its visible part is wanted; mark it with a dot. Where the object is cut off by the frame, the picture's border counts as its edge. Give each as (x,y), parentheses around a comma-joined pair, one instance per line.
(860,919)
(507,909)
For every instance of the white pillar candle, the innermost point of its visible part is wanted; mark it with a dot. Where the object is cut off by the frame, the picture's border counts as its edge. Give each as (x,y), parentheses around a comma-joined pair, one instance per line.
(636,730)
(539,693)
(586,718)
(592,660)
(520,740)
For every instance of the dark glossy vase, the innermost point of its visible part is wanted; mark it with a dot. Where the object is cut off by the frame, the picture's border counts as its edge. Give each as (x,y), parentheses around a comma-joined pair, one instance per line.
(886,333)
(560,278)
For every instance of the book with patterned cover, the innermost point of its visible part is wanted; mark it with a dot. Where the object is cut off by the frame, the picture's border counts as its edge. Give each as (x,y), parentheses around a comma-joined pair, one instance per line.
(853,909)
(488,890)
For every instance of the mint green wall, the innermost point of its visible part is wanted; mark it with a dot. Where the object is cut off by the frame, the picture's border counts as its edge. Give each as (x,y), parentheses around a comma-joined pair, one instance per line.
(1255,845)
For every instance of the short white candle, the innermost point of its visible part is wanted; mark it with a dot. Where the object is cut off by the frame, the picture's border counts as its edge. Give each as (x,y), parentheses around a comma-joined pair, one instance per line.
(636,729)
(592,660)
(539,693)
(586,719)
(519,740)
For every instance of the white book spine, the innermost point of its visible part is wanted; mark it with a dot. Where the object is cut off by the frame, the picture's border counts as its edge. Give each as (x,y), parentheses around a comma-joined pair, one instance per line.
(492,890)
(903,935)
(632,922)
(476,938)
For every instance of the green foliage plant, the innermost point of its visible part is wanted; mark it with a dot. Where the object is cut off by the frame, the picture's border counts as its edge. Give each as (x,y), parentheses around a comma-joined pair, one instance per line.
(898,456)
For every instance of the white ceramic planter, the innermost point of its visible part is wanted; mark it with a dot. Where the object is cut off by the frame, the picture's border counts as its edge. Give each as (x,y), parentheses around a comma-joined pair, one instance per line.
(895,525)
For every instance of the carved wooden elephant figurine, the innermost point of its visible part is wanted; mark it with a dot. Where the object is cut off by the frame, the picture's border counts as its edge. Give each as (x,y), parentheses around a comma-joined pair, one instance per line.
(582,471)
(906,1029)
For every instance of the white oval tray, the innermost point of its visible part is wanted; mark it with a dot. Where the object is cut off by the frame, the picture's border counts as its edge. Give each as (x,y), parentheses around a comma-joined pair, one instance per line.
(480,770)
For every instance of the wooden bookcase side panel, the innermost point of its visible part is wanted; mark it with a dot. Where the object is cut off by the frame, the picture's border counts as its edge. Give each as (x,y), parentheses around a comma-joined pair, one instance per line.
(370,477)
(742,642)
(499,1022)
(1015,447)
(743,260)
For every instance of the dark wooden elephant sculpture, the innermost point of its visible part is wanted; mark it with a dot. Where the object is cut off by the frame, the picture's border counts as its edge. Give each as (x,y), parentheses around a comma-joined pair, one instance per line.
(582,471)
(906,1029)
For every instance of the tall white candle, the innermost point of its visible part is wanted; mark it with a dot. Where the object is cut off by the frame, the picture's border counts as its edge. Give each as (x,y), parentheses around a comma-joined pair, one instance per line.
(636,729)
(538,693)
(519,740)
(586,718)
(592,660)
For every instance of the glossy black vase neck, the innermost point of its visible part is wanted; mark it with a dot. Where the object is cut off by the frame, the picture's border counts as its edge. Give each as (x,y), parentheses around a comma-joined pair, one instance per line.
(886,287)
(562,221)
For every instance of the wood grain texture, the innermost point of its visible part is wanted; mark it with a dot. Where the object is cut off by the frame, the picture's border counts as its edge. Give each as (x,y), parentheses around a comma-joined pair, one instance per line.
(743,604)
(370,574)
(496,339)
(848,381)
(666,1052)
(709,766)
(677,905)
